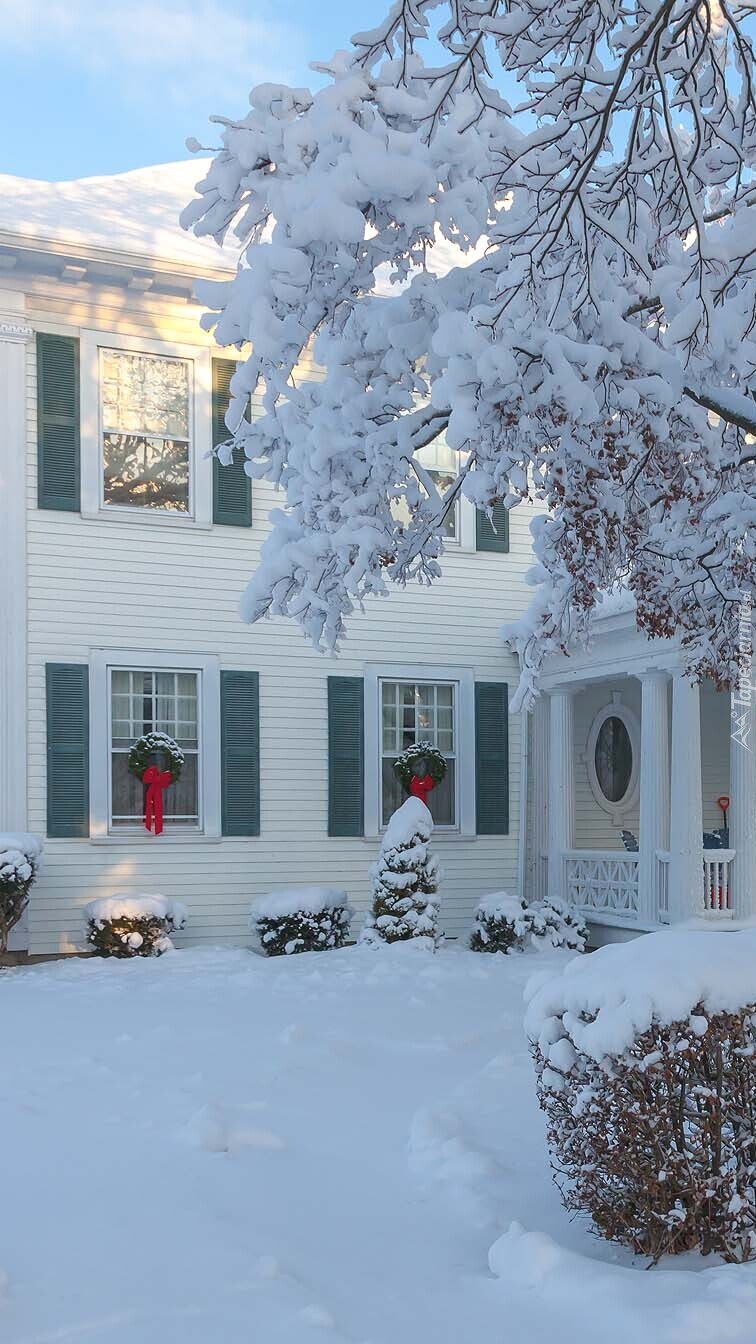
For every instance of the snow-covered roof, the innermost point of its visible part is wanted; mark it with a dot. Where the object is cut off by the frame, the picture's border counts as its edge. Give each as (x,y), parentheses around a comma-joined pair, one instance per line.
(134,214)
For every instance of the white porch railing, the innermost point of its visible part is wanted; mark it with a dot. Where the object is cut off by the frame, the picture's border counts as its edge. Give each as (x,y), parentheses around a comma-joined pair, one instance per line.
(717,864)
(602,881)
(605,881)
(662,885)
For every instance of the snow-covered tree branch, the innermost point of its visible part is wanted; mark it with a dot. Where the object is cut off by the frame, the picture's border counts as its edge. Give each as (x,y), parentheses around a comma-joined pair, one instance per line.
(591,345)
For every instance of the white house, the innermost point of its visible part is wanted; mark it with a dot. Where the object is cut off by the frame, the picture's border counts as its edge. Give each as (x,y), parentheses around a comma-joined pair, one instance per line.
(123,550)
(623,741)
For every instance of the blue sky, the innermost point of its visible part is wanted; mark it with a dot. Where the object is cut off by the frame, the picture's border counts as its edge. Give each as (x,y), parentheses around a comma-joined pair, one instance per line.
(100,86)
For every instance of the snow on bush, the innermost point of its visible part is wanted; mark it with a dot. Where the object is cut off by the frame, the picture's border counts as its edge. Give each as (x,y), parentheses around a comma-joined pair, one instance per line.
(20,855)
(644,1055)
(555,923)
(405,881)
(505,923)
(133,925)
(301,919)
(500,923)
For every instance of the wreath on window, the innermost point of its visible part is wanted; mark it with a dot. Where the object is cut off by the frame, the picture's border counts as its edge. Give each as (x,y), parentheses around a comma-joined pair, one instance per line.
(420,761)
(144,750)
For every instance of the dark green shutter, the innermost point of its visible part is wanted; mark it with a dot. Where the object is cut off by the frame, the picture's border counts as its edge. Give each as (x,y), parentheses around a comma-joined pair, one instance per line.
(491,758)
(240,753)
(58,485)
(492,534)
(346,752)
(232,495)
(67,691)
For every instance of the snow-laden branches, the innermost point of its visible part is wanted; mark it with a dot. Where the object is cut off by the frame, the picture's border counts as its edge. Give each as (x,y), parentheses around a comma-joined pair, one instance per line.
(591,345)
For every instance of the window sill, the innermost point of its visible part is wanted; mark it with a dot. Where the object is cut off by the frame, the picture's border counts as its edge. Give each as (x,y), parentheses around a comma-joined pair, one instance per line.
(145,838)
(145,519)
(445,837)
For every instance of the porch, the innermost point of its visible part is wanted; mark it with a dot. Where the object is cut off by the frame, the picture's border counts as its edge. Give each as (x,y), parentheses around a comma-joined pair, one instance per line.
(643,802)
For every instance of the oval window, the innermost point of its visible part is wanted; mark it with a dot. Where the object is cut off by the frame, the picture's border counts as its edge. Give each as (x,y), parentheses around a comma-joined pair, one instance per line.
(613,759)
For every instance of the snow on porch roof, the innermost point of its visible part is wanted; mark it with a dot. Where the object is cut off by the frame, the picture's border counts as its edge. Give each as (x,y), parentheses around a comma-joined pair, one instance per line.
(134,213)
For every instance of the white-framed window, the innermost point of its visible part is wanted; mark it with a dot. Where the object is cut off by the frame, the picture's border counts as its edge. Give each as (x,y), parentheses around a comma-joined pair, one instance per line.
(147,700)
(136,692)
(443,464)
(415,703)
(419,711)
(613,758)
(145,430)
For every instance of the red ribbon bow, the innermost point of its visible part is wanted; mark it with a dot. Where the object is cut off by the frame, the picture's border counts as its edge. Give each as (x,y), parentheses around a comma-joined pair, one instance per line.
(420,788)
(156,780)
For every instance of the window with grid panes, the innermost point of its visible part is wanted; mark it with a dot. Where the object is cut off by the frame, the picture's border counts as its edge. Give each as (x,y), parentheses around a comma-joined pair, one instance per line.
(442,463)
(145,404)
(419,712)
(150,701)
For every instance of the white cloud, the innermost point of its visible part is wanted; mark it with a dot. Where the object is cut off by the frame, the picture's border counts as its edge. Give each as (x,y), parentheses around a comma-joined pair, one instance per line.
(167,48)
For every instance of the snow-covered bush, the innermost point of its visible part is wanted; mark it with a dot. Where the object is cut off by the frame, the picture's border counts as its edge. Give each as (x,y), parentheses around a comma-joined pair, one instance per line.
(304,919)
(555,923)
(645,1055)
(501,923)
(405,880)
(133,926)
(505,923)
(20,854)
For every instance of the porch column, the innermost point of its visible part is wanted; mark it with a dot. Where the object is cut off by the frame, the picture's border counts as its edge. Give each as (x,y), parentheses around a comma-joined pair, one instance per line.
(14,335)
(742,815)
(561,786)
(686,809)
(654,789)
(540,796)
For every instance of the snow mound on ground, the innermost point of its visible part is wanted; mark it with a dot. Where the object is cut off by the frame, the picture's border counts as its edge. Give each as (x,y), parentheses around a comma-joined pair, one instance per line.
(296,900)
(136,906)
(579,1298)
(603,1002)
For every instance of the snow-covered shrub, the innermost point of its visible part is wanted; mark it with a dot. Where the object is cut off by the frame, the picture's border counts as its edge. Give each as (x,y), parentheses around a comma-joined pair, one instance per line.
(304,919)
(20,854)
(501,923)
(645,1055)
(133,926)
(405,880)
(505,923)
(555,923)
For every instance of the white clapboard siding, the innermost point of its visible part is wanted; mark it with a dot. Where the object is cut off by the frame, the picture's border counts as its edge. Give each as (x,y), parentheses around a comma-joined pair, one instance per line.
(100,582)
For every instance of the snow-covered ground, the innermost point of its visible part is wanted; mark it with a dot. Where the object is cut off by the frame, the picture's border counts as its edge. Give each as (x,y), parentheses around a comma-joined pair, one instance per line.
(345,1145)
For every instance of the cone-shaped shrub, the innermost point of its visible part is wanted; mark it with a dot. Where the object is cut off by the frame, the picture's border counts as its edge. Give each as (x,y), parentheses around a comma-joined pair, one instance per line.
(405,880)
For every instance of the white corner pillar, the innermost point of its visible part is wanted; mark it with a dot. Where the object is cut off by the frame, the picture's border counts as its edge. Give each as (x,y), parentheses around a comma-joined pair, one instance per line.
(540,799)
(561,787)
(686,804)
(14,335)
(654,789)
(742,814)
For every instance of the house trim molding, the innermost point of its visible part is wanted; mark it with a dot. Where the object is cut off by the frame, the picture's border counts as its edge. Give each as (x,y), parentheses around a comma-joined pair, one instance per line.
(14,337)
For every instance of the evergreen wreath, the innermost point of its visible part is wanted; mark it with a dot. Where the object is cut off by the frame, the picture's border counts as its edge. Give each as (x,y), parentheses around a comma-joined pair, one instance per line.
(145,747)
(404,765)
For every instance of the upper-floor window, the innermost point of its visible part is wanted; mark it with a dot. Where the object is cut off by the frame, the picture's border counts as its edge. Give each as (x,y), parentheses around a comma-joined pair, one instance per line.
(442,464)
(145,419)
